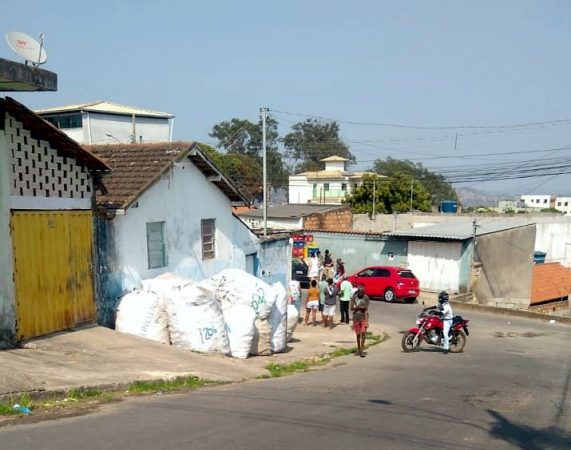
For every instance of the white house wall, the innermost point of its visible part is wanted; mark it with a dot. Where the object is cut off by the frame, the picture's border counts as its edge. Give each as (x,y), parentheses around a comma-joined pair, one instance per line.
(554,238)
(181,200)
(437,265)
(300,191)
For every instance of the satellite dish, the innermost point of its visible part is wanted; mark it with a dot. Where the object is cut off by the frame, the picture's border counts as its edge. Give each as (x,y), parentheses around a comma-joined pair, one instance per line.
(27,47)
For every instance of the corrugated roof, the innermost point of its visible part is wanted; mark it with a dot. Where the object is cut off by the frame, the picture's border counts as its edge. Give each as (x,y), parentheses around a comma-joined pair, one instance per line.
(43,130)
(292,211)
(460,229)
(136,167)
(550,281)
(105,107)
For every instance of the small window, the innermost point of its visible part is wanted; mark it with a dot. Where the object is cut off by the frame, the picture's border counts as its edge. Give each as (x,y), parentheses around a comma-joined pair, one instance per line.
(355,185)
(544,200)
(208,231)
(344,187)
(156,246)
(406,274)
(566,203)
(325,187)
(66,121)
(558,203)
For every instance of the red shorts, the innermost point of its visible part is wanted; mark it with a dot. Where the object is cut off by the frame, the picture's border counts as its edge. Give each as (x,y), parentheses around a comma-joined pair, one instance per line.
(360,326)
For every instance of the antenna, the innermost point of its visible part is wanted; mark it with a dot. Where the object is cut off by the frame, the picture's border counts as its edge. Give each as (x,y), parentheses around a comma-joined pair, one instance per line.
(27,47)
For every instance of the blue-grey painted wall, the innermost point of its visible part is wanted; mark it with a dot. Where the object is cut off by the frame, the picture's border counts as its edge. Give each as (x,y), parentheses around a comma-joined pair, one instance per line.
(466,266)
(361,250)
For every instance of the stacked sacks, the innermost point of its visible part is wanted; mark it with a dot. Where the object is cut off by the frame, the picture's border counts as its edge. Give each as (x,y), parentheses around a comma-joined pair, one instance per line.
(278,319)
(195,319)
(143,314)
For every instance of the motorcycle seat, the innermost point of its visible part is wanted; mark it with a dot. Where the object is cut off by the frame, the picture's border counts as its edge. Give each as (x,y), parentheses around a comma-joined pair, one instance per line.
(457,319)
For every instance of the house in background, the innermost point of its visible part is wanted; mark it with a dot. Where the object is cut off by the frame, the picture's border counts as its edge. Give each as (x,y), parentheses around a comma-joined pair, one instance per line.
(538,201)
(299,217)
(328,186)
(47,186)
(167,209)
(563,204)
(110,123)
(493,260)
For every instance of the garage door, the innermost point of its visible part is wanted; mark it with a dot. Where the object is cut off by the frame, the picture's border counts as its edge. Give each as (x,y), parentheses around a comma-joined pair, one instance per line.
(52,270)
(436,264)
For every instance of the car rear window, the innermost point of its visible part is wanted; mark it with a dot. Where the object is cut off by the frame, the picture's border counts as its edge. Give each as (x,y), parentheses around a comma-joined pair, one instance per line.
(406,274)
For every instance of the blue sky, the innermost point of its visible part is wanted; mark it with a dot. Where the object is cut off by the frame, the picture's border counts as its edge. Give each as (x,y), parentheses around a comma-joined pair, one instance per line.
(426,63)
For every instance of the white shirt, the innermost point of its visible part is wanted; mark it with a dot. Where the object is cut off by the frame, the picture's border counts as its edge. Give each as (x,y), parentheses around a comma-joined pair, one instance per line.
(447,313)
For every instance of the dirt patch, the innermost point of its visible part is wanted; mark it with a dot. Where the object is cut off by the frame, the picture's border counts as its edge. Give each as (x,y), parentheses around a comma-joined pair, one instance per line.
(513,334)
(506,402)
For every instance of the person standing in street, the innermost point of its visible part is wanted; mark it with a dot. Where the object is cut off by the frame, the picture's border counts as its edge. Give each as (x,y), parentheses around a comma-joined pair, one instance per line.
(312,303)
(339,271)
(330,303)
(314,266)
(346,292)
(447,317)
(322,286)
(328,265)
(360,308)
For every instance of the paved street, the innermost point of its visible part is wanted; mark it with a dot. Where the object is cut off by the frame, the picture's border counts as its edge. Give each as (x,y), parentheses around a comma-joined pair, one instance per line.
(508,390)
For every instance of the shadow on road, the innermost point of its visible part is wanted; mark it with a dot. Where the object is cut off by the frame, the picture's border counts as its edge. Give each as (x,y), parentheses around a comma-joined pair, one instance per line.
(526,437)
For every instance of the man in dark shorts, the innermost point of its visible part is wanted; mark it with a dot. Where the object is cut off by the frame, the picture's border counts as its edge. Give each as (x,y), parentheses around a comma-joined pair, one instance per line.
(360,307)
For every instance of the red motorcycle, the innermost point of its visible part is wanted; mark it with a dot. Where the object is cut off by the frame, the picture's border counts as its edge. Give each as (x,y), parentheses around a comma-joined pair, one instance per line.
(429,329)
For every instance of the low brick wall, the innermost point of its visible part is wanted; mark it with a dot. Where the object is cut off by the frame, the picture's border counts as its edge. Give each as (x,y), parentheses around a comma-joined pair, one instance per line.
(551,307)
(338,220)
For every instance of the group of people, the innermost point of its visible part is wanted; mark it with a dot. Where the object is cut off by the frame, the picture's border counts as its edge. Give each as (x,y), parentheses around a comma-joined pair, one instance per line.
(323,265)
(328,287)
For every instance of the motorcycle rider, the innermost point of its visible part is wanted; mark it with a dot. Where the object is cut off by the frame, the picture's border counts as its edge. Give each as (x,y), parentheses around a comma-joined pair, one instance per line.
(447,316)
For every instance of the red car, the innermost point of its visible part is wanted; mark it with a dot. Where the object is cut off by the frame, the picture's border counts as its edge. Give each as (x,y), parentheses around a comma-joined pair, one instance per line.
(388,282)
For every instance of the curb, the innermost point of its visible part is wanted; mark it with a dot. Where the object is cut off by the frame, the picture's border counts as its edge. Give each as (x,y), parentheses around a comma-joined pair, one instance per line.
(510,312)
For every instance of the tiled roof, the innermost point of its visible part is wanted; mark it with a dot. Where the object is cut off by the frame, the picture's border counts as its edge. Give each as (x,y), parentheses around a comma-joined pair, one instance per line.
(292,211)
(460,229)
(550,281)
(334,158)
(136,167)
(105,107)
(43,130)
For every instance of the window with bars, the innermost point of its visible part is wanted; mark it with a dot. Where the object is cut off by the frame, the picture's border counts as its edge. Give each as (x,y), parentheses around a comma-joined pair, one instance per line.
(156,245)
(208,232)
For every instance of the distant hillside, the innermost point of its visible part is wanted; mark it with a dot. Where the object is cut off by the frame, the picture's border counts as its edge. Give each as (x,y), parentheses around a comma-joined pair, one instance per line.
(473,197)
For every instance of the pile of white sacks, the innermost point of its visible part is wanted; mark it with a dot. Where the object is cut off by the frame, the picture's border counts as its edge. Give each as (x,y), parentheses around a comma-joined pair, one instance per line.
(232,313)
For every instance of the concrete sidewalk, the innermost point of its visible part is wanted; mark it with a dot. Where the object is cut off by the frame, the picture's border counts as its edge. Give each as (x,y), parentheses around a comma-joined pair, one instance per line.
(95,356)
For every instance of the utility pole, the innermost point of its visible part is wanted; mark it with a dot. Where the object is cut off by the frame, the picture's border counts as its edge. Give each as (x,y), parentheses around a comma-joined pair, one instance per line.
(263,111)
(411,194)
(374,192)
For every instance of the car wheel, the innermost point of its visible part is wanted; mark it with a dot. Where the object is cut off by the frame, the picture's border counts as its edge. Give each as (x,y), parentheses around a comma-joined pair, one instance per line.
(389,295)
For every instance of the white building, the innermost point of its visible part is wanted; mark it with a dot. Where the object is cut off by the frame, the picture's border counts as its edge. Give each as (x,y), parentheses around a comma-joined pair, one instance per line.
(328,186)
(110,123)
(167,208)
(563,204)
(537,201)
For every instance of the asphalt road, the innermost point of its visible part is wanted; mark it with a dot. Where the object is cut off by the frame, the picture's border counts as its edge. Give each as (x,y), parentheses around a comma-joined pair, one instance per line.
(510,389)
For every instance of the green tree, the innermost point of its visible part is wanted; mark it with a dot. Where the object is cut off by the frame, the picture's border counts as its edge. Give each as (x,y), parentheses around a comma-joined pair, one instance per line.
(391,194)
(436,184)
(243,137)
(311,141)
(243,170)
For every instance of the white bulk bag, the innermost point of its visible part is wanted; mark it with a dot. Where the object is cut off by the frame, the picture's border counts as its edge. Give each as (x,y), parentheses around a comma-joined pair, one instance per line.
(261,341)
(164,283)
(240,328)
(143,314)
(278,319)
(292,319)
(236,287)
(195,319)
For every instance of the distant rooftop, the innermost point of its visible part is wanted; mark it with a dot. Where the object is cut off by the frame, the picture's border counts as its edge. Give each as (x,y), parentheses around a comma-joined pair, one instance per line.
(291,211)
(334,159)
(105,107)
(461,229)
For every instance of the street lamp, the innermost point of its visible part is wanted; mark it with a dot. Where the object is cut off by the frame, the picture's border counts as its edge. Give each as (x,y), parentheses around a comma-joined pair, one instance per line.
(113,137)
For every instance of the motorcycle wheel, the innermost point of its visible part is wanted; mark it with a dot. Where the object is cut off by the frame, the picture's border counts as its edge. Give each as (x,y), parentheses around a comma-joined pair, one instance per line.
(407,342)
(457,342)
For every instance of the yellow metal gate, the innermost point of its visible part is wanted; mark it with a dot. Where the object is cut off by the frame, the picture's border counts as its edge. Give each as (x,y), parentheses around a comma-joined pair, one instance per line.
(52,270)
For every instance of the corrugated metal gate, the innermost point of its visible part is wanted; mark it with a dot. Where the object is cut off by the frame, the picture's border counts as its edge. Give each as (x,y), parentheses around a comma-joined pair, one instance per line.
(52,270)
